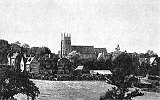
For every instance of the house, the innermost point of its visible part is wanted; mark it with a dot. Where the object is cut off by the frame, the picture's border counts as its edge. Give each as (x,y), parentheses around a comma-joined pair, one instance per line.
(34,66)
(100,50)
(153,61)
(101,56)
(155,66)
(28,63)
(12,59)
(17,60)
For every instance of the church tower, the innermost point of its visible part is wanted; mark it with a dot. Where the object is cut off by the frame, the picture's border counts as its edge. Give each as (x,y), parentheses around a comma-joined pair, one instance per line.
(65,44)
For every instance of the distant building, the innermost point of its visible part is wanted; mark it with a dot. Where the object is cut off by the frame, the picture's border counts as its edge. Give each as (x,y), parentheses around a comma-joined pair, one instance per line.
(103,72)
(28,63)
(12,59)
(100,50)
(116,53)
(86,52)
(34,66)
(18,61)
(65,44)
(101,57)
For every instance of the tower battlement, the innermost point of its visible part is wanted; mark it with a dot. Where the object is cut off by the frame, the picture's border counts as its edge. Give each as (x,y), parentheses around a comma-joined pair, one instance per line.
(65,36)
(65,44)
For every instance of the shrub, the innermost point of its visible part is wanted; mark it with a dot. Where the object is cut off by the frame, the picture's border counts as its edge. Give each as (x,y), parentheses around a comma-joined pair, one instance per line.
(16,82)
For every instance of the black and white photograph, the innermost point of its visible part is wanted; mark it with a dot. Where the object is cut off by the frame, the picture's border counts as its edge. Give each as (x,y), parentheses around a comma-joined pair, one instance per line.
(79,50)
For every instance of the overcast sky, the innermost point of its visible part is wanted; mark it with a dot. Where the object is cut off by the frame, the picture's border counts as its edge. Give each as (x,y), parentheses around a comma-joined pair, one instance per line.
(133,24)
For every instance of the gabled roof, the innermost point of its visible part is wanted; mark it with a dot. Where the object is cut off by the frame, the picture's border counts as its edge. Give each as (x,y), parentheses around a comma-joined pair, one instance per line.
(79,68)
(100,56)
(29,60)
(152,59)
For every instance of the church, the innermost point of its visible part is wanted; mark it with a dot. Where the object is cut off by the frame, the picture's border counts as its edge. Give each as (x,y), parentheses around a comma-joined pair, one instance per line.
(86,52)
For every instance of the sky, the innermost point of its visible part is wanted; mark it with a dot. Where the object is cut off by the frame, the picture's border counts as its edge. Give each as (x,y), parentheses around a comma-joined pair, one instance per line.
(133,24)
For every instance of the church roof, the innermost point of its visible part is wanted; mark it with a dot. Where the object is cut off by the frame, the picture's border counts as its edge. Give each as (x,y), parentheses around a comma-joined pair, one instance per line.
(100,50)
(29,60)
(83,49)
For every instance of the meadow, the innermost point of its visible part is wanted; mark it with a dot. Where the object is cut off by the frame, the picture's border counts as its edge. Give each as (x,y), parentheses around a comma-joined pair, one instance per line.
(78,90)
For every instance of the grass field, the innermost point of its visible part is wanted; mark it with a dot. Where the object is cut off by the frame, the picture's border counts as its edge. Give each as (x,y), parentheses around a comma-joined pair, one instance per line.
(78,90)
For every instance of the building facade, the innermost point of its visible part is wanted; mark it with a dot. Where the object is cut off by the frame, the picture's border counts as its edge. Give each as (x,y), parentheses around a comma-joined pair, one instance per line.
(86,52)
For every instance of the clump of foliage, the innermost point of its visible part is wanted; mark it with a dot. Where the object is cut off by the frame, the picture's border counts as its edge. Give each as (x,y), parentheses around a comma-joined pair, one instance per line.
(12,83)
(123,79)
(4,49)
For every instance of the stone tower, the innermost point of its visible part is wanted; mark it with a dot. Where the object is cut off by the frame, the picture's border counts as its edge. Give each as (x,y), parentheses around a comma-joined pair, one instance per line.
(65,44)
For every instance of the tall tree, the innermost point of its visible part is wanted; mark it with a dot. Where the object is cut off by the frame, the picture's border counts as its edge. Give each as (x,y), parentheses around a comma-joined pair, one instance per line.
(4,50)
(151,53)
(18,43)
(15,48)
(22,50)
(124,63)
(26,49)
(40,51)
(74,57)
(12,83)
(25,45)
(122,80)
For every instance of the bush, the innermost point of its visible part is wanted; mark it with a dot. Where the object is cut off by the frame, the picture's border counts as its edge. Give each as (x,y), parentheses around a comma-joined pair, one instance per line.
(13,83)
(68,77)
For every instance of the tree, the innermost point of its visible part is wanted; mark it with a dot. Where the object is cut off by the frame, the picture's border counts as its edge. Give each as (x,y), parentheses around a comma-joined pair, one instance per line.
(151,53)
(39,51)
(108,64)
(15,48)
(14,82)
(26,48)
(18,43)
(4,50)
(25,45)
(46,50)
(21,50)
(124,62)
(74,57)
(122,78)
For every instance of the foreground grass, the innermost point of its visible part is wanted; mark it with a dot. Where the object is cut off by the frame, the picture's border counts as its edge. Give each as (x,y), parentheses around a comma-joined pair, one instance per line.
(78,90)
(71,90)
